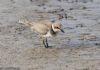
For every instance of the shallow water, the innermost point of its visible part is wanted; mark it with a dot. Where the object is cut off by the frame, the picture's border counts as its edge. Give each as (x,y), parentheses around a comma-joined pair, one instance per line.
(77,49)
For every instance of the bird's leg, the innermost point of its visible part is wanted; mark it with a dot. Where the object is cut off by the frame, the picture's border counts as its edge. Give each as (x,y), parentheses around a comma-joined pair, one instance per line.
(47,43)
(44,41)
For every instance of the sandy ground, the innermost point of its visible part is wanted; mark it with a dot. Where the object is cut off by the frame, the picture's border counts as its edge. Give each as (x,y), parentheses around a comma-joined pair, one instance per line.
(77,49)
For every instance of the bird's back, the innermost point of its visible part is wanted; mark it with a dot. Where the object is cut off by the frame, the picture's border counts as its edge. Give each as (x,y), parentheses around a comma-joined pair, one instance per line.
(42,27)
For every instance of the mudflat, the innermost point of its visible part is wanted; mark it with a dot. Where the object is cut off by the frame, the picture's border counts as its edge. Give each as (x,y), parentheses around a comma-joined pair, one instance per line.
(77,49)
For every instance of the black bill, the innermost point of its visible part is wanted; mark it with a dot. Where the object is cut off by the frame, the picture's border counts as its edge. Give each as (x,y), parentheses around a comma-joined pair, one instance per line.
(62,30)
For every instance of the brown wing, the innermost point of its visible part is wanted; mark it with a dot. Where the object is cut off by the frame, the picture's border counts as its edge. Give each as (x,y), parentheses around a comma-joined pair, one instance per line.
(47,23)
(41,28)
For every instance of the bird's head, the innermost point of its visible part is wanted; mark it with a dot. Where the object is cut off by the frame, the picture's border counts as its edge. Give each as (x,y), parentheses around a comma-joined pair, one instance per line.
(57,27)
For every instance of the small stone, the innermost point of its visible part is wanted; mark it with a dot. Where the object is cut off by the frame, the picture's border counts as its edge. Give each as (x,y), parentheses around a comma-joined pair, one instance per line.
(84,8)
(59,0)
(71,8)
(97,44)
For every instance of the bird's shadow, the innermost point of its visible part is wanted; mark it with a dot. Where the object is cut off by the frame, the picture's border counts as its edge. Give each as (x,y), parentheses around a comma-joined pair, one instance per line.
(50,46)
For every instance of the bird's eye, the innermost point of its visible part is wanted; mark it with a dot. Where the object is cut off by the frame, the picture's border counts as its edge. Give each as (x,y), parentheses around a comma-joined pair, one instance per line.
(56,27)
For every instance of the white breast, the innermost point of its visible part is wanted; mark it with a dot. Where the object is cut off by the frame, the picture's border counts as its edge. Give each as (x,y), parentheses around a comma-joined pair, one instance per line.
(48,34)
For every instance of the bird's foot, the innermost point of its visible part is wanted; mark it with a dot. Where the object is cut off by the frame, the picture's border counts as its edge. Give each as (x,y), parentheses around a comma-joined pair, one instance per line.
(48,46)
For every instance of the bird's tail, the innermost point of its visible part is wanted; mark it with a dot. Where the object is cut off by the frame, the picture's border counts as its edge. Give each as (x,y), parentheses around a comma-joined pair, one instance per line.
(26,22)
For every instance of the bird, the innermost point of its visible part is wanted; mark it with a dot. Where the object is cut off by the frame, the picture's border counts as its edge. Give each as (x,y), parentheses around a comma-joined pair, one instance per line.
(45,28)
